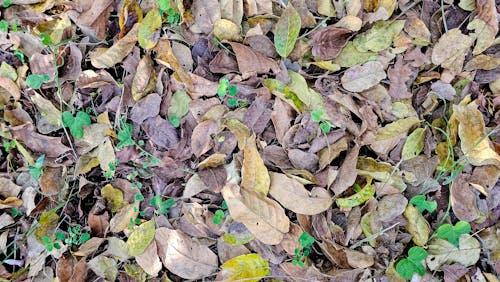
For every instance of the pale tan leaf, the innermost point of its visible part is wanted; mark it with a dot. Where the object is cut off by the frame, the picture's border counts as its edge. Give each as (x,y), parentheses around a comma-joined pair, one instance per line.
(254,175)
(360,78)
(183,256)
(108,57)
(265,218)
(293,196)
(450,50)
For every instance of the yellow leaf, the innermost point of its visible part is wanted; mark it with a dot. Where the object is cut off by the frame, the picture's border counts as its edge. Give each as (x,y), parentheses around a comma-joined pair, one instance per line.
(414,144)
(114,196)
(254,174)
(48,223)
(54,28)
(227,30)
(140,238)
(108,57)
(240,131)
(451,49)
(127,7)
(473,139)
(417,225)
(250,267)
(165,54)
(144,79)
(148,37)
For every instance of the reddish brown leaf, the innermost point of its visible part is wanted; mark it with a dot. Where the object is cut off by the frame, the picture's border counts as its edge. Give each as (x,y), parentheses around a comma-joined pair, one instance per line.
(399,74)
(328,42)
(251,62)
(201,139)
(50,146)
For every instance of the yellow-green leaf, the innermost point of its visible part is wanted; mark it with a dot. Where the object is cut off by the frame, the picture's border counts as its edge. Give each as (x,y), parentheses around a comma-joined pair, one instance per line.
(284,93)
(114,196)
(147,36)
(287,31)
(140,238)
(379,37)
(254,174)
(48,222)
(414,144)
(417,225)
(359,198)
(380,171)
(311,99)
(250,268)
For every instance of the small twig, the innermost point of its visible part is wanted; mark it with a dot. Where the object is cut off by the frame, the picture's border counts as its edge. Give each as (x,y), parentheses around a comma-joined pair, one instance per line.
(314,29)
(443,16)
(374,236)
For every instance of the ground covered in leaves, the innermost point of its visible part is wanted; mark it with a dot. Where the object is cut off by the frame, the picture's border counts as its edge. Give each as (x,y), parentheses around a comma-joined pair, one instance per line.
(239,140)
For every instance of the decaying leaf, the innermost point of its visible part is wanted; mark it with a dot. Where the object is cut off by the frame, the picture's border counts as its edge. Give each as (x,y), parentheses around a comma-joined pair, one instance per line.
(254,175)
(450,50)
(293,196)
(264,217)
(286,31)
(327,43)
(140,238)
(360,78)
(379,37)
(106,58)
(417,226)
(250,267)
(442,252)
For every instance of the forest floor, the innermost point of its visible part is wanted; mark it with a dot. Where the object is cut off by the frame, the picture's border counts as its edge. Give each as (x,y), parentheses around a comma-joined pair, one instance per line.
(300,140)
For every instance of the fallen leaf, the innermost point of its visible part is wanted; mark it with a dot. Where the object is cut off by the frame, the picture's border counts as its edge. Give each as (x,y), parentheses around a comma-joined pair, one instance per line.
(251,62)
(390,135)
(414,144)
(293,196)
(140,238)
(286,31)
(144,79)
(179,107)
(463,200)
(161,132)
(147,107)
(183,256)
(450,50)
(442,252)
(227,30)
(357,199)
(328,42)
(104,267)
(49,146)
(474,142)
(149,260)
(254,175)
(379,37)
(360,78)
(399,75)
(121,220)
(249,267)
(147,34)
(264,217)
(108,57)
(201,139)
(417,226)
(347,174)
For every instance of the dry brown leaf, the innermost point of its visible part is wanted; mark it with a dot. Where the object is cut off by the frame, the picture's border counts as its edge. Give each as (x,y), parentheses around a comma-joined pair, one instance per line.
(149,260)
(347,174)
(165,53)
(254,175)
(328,42)
(161,132)
(463,200)
(144,79)
(293,196)
(450,50)
(399,75)
(360,78)
(183,256)
(201,139)
(264,217)
(108,57)
(251,62)
(50,146)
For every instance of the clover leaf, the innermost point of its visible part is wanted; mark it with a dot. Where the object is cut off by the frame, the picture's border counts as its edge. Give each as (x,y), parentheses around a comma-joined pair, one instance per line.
(75,124)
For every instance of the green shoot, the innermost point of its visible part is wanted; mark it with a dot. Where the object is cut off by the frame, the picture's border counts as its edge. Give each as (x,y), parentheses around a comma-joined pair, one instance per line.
(413,264)
(305,241)
(36,169)
(422,204)
(75,124)
(35,81)
(452,233)
(160,205)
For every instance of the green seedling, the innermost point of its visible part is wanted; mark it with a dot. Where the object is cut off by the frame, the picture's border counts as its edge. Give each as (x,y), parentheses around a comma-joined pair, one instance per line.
(9,145)
(36,169)
(35,81)
(422,204)
(452,233)
(173,17)
(76,123)
(125,134)
(161,206)
(220,214)
(75,236)
(224,89)
(15,212)
(4,26)
(324,125)
(413,264)
(50,244)
(305,241)
(6,3)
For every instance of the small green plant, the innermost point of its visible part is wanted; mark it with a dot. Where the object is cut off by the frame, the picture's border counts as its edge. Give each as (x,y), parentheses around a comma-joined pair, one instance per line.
(6,3)
(50,243)
(9,145)
(318,116)
(413,263)
(76,123)
(452,233)
(422,204)
(36,169)
(15,212)
(224,89)
(173,17)
(305,241)
(75,236)
(19,55)
(220,213)
(35,81)
(160,205)
(4,26)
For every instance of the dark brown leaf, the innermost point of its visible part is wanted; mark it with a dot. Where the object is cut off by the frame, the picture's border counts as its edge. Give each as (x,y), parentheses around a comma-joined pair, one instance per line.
(328,42)
(161,132)
(50,146)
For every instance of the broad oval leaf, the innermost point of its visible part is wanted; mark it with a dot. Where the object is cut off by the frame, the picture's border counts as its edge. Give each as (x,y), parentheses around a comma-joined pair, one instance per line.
(147,36)
(184,257)
(417,226)
(414,144)
(140,238)
(293,196)
(265,218)
(287,31)
(250,267)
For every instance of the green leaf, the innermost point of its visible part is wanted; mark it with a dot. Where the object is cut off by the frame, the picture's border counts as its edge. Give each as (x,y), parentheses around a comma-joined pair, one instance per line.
(306,240)
(317,115)
(4,26)
(312,99)
(35,81)
(232,102)
(164,5)
(125,136)
(147,29)
(75,124)
(7,3)
(357,199)
(379,37)
(36,169)
(46,40)
(179,107)
(422,204)
(325,126)
(140,238)
(417,253)
(413,264)
(414,144)
(452,233)
(233,90)
(287,31)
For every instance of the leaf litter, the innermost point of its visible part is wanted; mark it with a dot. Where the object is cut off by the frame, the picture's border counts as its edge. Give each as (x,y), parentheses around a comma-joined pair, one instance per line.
(249,140)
